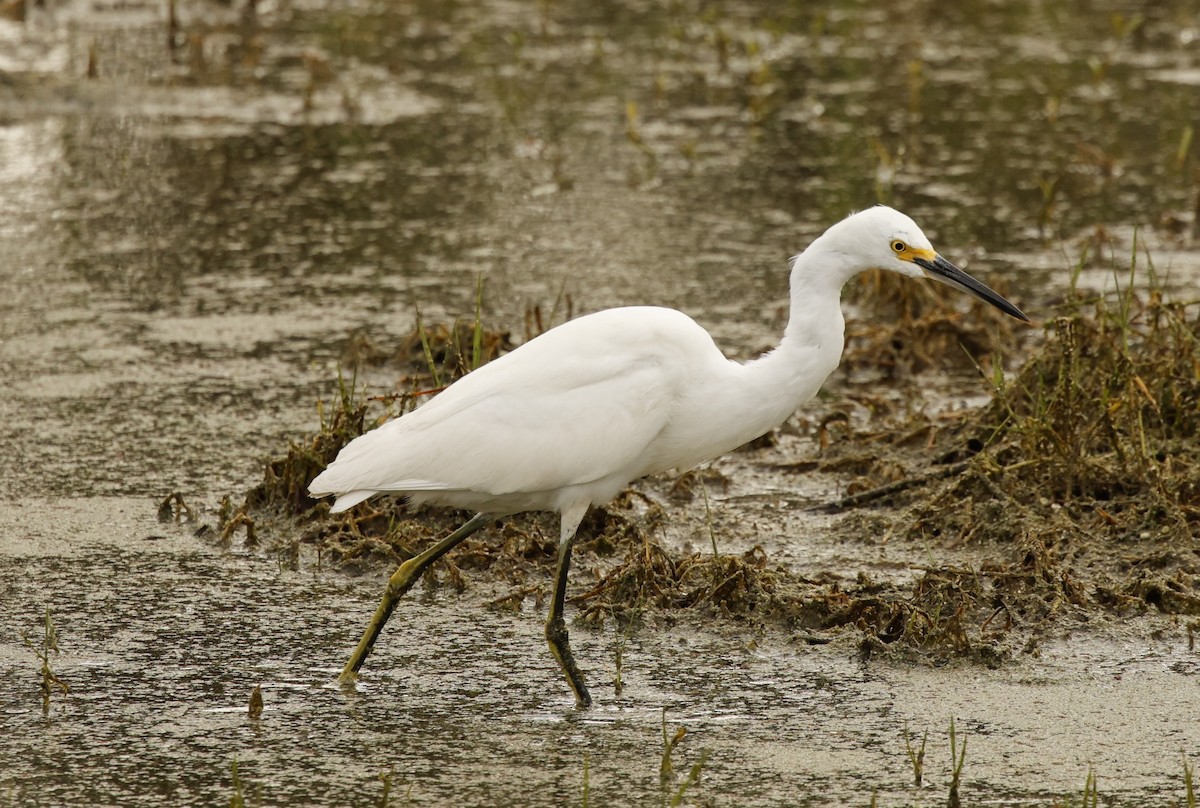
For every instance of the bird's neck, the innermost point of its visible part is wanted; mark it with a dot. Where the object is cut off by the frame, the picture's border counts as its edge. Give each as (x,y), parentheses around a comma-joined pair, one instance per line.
(775,384)
(817,277)
(742,401)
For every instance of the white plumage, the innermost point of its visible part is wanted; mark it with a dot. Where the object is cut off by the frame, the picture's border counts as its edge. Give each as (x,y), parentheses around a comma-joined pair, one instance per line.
(571,417)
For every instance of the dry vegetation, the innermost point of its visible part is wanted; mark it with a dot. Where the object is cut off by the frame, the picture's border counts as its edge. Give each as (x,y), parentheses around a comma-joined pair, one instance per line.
(1076,491)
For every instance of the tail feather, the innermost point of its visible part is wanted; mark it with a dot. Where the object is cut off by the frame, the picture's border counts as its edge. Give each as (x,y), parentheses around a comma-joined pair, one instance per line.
(348,500)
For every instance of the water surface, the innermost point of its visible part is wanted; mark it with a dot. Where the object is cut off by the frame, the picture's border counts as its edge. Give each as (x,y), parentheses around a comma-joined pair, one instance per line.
(188,239)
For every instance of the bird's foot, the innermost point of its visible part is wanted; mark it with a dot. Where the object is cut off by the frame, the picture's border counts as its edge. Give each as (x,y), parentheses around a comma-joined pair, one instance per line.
(560,646)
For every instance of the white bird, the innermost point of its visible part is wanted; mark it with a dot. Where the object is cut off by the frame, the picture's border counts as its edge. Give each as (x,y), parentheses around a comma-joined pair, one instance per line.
(574,415)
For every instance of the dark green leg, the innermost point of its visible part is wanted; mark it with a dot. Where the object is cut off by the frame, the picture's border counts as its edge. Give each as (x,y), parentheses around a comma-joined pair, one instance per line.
(401,581)
(556,628)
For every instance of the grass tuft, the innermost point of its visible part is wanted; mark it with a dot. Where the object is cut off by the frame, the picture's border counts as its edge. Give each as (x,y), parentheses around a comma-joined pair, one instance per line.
(49,682)
(430,356)
(665,770)
(916,757)
(1091,446)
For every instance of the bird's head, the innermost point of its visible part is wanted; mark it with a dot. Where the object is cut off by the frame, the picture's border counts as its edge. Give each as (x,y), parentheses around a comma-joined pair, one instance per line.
(884,238)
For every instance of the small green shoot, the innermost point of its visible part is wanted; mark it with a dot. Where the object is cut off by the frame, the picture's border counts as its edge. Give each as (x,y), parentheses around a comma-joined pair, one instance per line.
(345,413)
(958,756)
(564,306)
(50,681)
(1076,271)
(633,134)
(385,798)
(619,662)
(916,83)
(586,780)
(721,43)
(237,800)
(1125,297)
(562,311)
(429,351)
(1124,27)
(1189,791)
(477,328)
(708,517)
(759,83)
(886,166)
(665,770)
(691,780)
(1185,147)
(916,757)
(1049,188)
(386,777)
(1091,795)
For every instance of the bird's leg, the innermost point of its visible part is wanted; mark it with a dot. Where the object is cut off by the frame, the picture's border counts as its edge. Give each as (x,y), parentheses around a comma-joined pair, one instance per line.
(401,581)
(556,628)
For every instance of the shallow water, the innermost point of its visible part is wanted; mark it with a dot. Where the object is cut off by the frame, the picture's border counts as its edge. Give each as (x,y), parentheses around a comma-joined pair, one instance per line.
(186,243)
(163,640)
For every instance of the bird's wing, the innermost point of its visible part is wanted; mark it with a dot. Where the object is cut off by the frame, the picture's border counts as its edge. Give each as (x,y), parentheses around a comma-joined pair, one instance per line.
(544,417)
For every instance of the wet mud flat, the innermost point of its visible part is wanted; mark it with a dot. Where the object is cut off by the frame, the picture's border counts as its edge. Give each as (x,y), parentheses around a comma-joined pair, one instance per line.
(208,215)
(461,704)
(999,545)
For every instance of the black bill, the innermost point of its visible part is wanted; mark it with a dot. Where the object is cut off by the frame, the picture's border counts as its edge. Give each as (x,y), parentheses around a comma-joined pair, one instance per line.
(941,269)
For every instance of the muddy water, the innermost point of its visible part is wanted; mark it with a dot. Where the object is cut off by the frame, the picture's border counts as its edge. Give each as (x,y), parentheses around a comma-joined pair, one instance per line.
(164,639)
(188,238)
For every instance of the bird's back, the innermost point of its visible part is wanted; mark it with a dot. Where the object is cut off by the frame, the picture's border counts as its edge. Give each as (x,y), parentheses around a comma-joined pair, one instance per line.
(574,413)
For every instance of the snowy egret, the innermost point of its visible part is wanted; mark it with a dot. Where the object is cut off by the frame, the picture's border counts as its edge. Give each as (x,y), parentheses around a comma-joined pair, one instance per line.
(571,417)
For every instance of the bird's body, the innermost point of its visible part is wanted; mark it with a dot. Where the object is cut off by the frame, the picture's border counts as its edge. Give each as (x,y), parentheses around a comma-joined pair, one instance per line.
(580,411)
(571,417)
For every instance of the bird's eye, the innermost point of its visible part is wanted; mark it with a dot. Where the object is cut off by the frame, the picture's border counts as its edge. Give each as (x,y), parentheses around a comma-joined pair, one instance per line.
(899,246)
